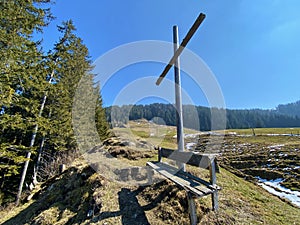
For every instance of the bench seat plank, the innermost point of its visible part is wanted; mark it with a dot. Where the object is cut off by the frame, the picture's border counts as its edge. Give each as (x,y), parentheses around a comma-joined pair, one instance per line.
(204,182)
(194,186)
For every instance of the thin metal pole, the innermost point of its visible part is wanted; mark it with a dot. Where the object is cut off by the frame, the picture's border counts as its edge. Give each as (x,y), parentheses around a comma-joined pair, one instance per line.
(179,122)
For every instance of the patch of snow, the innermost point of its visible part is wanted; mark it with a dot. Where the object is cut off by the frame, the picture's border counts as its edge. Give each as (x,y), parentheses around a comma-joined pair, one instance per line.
(244,144)
(296,167)
(289,135)
(274,187)
(189,135)
(286,168)
(217,133)
(273,134)
(282,154)
(244,135)
(192,135)
(189,146)
(276,146)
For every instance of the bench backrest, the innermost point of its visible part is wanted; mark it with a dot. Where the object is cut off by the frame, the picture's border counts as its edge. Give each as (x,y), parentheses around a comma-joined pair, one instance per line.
(190,158)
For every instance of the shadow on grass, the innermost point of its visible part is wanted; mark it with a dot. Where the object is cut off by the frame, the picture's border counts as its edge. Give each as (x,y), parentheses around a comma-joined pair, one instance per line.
(58,196)
(68,198)
(131,212)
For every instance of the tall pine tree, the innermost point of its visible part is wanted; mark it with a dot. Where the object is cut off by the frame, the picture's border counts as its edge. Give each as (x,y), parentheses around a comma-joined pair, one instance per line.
(22,81)
(100,117)
(72,64)
(37,91)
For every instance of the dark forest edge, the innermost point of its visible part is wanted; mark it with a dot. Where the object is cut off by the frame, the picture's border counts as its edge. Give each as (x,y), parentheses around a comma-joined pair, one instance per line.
(37,90)
(284,115)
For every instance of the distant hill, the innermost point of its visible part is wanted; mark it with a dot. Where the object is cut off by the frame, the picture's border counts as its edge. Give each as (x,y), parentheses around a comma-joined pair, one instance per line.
(283,116)
(291,109)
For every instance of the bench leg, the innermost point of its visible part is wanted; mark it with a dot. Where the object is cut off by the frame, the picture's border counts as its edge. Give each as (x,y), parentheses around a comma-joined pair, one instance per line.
(213,181)
(192,209)
(149,175)
(214,199)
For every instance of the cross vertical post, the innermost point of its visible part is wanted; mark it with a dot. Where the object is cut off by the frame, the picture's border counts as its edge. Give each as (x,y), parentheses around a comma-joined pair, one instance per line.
(178,101)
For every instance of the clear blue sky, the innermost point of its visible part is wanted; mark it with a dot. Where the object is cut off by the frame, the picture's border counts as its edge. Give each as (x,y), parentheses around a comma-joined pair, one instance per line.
(252,47)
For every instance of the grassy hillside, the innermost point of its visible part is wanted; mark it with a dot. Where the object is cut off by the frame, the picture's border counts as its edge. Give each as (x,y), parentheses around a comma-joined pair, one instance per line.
(67,199)
(82,196)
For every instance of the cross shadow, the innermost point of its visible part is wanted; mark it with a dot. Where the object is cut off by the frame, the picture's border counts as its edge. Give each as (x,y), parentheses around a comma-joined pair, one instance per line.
(131,212)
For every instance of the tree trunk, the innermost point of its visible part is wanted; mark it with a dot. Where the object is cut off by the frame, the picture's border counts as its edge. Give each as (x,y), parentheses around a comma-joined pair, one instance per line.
(38,161)
(31,145)
(29,154)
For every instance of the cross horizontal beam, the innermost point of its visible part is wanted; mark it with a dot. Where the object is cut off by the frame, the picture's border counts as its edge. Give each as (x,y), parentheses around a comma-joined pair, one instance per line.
(183,44)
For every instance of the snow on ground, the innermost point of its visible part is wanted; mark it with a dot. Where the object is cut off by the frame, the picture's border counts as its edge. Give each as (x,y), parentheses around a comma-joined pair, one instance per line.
(283,135)
(196,135)
(276,146)
(244,135)
(190,145)
(274,187)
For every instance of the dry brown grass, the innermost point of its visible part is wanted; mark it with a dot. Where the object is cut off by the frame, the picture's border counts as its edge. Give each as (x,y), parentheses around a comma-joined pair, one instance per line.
(67,199)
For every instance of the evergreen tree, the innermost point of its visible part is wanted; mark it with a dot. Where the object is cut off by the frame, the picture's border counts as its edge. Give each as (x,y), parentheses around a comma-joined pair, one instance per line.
(84,114)
(291,109)
(37,91)
(22,81)
(71,64)
(100,117)
(235,119)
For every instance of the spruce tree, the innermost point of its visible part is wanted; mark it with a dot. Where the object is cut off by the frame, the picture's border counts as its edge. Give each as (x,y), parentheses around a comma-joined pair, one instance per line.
(22,80)
(37,91)
(72,64)
(100,117)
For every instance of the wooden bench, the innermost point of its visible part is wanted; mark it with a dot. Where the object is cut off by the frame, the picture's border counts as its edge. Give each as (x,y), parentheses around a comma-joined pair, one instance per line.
(195,186)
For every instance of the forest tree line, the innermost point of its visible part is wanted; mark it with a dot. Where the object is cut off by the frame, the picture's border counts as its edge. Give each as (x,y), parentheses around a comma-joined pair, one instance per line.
(200,117)
(36,95)
(290,109)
